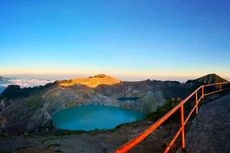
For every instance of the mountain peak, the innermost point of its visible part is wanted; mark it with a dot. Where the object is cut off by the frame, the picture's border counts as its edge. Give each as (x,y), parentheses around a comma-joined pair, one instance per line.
(92,81)
(98,76)
(208,79)
(211,78)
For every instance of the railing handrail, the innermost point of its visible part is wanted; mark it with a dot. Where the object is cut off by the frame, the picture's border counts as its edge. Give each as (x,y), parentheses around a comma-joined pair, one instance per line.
(133,142)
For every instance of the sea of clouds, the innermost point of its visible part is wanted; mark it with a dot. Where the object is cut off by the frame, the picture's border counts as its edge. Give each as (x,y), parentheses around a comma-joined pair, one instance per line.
(25,82)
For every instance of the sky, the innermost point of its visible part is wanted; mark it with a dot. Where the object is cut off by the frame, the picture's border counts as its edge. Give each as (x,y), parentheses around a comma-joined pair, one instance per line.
(129,39)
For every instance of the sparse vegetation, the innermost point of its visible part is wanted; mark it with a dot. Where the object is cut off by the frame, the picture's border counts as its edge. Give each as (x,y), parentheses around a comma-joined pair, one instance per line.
(162,110)
(128,99)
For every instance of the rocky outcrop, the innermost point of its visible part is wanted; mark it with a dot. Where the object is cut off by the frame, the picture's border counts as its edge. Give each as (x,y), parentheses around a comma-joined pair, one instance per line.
(3,122)
(39,119)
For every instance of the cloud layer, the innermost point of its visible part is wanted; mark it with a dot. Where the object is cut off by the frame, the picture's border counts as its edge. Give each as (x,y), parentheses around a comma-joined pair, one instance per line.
(23,83)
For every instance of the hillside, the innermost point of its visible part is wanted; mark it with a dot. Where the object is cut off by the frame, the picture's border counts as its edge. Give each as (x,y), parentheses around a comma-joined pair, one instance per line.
(207,79)
(92,82)
(210,78)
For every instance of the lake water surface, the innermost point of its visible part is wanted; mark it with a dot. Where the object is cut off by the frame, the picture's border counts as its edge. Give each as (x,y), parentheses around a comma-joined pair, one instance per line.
(91,117)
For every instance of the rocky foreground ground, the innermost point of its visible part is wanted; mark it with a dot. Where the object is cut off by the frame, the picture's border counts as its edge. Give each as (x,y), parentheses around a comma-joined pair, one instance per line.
(92,142)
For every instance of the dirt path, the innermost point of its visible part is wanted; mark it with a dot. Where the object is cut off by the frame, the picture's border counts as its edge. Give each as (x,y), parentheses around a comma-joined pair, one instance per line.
(210,132)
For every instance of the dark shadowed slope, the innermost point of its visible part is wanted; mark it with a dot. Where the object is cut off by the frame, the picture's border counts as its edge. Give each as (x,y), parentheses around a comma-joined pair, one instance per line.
(208,79)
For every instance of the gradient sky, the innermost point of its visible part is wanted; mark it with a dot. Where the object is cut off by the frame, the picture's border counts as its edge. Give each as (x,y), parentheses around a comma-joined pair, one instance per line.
(131,39)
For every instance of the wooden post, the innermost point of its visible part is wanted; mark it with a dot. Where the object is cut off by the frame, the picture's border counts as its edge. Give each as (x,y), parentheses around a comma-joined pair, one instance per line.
(197,105)
(182,126)
(202,92)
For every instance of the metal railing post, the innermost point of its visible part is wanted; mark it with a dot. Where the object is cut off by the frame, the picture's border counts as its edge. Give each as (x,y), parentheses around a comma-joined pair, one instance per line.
(182,127)
(202,92)
(197,105)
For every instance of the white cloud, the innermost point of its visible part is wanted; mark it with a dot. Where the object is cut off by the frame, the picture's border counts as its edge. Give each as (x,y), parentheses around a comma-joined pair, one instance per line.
(25,82)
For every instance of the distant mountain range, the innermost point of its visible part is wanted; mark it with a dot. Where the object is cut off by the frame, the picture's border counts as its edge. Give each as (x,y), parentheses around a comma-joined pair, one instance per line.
(36,106)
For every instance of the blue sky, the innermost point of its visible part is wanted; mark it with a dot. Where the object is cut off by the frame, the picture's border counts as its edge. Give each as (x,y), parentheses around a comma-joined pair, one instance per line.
(131,39)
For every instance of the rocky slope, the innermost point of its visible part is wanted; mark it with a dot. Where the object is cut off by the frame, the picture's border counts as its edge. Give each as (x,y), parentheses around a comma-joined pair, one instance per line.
(31,109)
(207,79)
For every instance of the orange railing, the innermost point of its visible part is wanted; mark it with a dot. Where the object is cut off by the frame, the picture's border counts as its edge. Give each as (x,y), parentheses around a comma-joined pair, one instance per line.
(132,143)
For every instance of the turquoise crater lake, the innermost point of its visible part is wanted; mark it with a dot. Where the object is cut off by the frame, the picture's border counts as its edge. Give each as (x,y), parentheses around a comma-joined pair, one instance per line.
(91,117)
